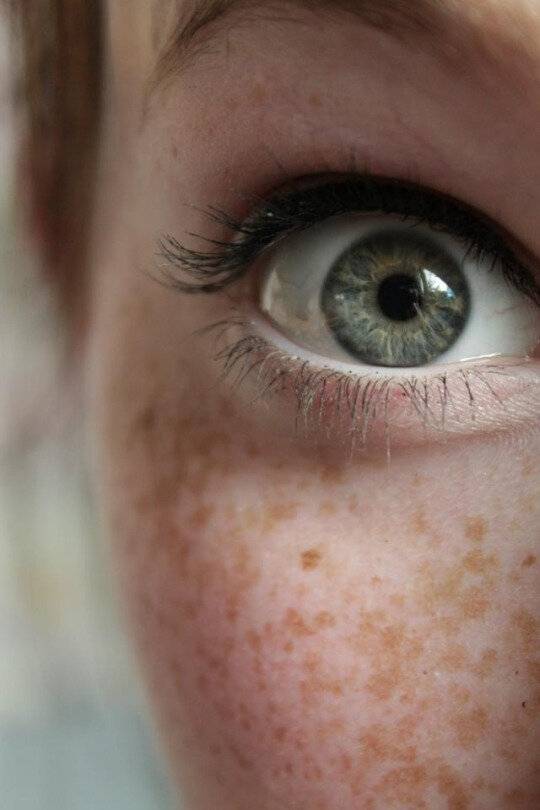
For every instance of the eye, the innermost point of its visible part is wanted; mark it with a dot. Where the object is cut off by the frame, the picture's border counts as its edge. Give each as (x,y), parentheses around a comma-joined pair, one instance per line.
(365,299)
(392,293)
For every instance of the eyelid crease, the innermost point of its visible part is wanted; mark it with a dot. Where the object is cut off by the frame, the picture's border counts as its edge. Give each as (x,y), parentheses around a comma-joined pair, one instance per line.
(293,211)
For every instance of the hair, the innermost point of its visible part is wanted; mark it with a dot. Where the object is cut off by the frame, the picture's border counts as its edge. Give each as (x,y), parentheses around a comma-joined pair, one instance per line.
(61,45)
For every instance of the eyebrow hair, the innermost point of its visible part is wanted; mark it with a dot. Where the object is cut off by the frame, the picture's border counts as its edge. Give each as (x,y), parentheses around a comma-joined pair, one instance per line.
(201,21)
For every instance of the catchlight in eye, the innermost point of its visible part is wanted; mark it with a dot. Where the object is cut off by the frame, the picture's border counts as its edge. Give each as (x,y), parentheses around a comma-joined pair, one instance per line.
(395,299)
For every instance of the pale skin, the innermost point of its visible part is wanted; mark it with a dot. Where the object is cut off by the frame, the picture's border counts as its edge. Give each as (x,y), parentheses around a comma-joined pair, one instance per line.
(317,629)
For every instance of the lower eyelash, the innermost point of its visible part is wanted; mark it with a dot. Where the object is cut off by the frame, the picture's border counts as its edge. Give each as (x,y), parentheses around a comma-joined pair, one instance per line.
(354,410)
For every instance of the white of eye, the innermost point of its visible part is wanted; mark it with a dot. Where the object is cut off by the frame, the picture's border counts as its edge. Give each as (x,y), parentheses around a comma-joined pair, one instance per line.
(502,320)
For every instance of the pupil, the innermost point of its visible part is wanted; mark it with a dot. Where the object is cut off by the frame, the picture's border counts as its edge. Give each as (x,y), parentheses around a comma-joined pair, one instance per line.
(399,297)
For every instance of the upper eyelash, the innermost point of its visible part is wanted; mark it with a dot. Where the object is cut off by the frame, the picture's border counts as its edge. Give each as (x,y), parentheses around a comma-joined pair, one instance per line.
(293,211)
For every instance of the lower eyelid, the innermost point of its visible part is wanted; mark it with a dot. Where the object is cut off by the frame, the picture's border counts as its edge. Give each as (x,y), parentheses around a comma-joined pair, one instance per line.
(368,411)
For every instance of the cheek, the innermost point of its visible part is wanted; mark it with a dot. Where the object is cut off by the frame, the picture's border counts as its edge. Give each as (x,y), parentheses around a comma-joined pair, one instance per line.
(306,644)
(318,635)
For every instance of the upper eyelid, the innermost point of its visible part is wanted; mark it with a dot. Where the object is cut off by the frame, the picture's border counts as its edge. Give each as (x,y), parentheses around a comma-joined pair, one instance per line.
(286,211)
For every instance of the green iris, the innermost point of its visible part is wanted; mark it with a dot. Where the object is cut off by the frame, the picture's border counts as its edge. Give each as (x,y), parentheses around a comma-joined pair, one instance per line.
(396,299)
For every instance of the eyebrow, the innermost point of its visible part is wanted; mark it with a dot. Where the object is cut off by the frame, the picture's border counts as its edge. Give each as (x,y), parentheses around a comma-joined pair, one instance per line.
(202,22)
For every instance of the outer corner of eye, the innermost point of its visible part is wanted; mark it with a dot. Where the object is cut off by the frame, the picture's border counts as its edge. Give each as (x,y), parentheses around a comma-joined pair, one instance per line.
(385,293)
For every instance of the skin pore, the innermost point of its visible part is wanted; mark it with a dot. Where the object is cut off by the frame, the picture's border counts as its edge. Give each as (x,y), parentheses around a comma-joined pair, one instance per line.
(318,629)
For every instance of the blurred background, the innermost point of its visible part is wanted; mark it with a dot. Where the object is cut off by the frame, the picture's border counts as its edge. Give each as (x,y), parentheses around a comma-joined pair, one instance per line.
(73,733)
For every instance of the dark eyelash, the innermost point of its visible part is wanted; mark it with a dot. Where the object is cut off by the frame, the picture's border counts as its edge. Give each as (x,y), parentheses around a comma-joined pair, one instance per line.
(347,414)
(224,261)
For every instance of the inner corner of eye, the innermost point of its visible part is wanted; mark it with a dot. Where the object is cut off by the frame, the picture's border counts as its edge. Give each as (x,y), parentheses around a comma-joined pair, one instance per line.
(389,296)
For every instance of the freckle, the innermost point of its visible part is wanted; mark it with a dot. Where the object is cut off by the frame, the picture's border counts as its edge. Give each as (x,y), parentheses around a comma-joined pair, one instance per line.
(404,783)
(509,754)
(479,563)
(332,475)
(451,786)
(254,640)
(252,450)
(474,603)
(383,685)
(278,513)
(315,100)
(314,684)
(327,508)
(280,733)
(201,517)
(460,693)
(243,762)
(346,763)
(288,647)
(438,586)
(470,727)
(289,768)
(527,466)
(294,622)
(529,560)
(484,668)
(475,529)
(419,523)
(311,662)
(310,559)
(325,619)
(527,625)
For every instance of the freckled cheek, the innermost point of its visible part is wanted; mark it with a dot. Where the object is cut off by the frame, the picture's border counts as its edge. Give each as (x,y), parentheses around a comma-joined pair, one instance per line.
(247,654)
(287,650)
